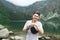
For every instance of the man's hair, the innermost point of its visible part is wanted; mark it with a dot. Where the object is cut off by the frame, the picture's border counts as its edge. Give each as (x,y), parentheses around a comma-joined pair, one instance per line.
(36,13)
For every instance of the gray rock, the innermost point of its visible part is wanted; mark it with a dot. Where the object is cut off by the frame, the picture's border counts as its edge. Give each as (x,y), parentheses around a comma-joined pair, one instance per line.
(11,33)
(47,37)
(12,37)
(5,39)
(4,33)
(19,38)
(16,38)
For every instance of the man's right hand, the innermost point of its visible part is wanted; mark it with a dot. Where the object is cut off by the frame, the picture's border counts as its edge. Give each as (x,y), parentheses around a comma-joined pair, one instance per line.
(28,27)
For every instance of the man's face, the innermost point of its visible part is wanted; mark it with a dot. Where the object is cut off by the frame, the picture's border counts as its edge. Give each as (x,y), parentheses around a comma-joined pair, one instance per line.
(35,16)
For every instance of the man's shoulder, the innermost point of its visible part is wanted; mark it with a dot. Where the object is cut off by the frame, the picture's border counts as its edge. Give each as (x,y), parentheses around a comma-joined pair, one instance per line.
(39,22)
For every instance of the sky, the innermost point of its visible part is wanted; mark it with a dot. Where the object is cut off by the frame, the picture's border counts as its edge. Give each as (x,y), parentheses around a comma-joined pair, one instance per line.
(22,2)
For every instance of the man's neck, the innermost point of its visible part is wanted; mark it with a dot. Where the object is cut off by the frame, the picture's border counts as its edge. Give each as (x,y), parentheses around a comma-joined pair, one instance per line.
(34,21)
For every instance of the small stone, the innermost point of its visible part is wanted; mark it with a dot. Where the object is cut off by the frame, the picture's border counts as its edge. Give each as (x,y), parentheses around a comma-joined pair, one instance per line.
(12,37)
(19,38)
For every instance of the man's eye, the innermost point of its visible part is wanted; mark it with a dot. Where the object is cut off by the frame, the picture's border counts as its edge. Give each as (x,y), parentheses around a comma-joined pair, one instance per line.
(36,16)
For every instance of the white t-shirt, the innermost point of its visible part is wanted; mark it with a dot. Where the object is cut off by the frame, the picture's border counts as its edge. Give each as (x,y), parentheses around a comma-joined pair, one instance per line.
(31,36)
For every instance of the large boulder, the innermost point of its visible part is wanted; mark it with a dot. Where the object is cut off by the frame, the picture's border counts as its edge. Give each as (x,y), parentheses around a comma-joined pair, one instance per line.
(4,33)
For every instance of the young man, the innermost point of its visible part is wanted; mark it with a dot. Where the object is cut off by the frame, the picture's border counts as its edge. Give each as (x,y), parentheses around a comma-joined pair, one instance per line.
(33,23)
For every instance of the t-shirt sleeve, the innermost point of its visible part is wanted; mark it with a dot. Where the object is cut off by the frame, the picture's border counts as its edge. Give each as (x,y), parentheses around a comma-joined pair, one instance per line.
(25,26)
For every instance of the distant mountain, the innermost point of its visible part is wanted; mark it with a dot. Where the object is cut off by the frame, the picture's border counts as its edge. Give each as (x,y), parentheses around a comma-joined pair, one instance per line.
(29,9)
(44,7)
(52,5)
(41,6)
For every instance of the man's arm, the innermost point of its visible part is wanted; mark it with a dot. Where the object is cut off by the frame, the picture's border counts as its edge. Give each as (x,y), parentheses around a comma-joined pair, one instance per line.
(40,29)
(25,28)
